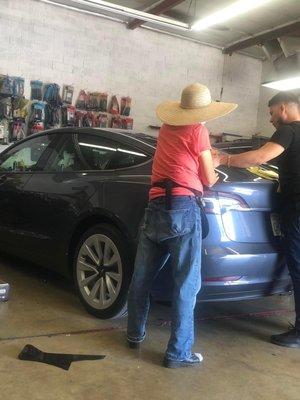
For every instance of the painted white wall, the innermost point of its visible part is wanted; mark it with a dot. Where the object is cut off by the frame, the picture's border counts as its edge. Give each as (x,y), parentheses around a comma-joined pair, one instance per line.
(41,41)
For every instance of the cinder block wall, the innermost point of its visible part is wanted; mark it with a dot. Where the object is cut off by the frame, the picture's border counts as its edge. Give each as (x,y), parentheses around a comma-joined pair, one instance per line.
(41,41)
(264,127)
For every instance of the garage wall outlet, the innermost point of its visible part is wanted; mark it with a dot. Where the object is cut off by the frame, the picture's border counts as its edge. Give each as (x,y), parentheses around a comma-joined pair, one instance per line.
(4,291)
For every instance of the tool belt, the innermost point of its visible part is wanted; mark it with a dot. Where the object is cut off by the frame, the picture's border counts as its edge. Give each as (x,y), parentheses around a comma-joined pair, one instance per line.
(168,185)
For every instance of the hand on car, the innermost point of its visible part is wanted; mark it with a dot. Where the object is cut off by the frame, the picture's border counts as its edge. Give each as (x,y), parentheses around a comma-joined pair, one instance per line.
(215,157)
(218,157)
(216,178)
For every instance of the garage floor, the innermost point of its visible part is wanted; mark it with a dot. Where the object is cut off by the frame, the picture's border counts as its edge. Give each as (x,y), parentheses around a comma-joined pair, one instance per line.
(239,362)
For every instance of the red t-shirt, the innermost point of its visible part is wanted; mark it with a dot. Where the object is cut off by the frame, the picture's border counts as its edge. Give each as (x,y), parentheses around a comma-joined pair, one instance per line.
(177,158)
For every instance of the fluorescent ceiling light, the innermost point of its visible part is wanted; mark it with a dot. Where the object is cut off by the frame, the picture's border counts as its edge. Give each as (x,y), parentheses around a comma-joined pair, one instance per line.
(284,84)
(237,8)
(118,9)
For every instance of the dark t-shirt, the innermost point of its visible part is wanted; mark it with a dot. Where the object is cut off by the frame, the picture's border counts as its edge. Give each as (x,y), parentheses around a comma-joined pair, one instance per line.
(288,136)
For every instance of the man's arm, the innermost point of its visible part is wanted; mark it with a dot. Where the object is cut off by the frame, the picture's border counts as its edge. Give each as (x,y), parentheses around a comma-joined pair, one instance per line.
(251,158)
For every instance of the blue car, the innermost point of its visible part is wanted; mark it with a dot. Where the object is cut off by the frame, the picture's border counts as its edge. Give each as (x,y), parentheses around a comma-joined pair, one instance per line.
(73,199)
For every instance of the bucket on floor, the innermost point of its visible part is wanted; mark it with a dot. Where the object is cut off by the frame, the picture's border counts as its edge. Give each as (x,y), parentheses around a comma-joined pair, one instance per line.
(4,291)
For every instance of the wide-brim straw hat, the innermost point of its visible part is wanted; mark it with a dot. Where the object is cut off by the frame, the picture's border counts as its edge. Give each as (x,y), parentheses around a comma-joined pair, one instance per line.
(195,106)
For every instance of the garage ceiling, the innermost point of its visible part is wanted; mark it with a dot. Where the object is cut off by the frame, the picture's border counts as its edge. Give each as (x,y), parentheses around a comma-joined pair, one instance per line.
(245,33)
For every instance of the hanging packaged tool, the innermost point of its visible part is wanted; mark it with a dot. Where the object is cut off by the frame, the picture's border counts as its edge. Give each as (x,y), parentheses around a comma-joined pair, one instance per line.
(94,101)
(67,95)
(79,118)
(37,127)
(18,86)
(6,85)
(53,117)
(4,131)
(71,115)
(125,106)
(127,123)
(102,120)
(87,102)
(114,106)
(25,109)
(18,130)
(68,115)
(51,94)
(88,120)
(37,119)
(103,102)
(82,100)
(18,104)
(116,122)
(5,108)
(36,90)
(39,111)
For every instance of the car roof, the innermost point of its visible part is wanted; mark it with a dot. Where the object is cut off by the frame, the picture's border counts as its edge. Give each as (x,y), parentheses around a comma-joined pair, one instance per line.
(245,143)
(145,138)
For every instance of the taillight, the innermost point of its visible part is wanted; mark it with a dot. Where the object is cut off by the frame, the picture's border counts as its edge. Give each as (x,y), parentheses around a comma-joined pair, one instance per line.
(220,202)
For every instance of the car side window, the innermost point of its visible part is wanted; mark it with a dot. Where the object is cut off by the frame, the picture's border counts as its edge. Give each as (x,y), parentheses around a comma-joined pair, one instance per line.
(65,158)
(104,154)
(26,155)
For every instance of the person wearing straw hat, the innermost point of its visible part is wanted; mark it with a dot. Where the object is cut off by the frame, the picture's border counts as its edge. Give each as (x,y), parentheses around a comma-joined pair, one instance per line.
(172,227)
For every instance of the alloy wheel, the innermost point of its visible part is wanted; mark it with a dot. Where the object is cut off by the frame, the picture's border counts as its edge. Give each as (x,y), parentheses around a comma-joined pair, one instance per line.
(99,271)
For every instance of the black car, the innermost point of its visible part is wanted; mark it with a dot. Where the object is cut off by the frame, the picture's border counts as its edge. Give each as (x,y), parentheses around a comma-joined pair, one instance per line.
(73,200)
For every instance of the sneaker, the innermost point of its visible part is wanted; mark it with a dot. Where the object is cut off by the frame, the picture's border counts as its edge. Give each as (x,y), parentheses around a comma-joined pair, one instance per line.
(290,338)
(194,361)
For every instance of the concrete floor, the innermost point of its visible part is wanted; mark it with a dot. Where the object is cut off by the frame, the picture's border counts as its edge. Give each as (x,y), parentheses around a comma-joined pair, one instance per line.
(239,362)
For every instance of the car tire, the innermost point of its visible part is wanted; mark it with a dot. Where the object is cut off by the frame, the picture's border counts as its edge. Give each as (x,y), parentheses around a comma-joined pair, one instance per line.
(102,269)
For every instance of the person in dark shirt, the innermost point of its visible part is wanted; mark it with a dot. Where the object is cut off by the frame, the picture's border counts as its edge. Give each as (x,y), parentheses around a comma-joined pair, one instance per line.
(284,144)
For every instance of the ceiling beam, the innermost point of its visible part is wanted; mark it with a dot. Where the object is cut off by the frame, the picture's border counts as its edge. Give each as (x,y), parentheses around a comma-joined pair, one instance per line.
(178,16)
(285,30)
(165,5)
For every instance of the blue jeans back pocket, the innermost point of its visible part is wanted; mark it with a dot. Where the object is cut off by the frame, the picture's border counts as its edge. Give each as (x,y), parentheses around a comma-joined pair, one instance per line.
(160,225)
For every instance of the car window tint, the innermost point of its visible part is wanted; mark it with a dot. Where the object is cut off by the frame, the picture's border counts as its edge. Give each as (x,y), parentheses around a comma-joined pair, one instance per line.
(96,151)
(64,157)
(104,154)
(25,156)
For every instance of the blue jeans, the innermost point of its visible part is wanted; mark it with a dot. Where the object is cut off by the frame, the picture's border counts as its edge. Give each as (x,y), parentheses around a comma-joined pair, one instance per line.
(175,235)
(291,230)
